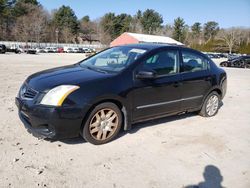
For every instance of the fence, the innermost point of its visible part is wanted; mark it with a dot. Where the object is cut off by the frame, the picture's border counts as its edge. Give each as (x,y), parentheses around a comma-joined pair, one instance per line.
(44,45)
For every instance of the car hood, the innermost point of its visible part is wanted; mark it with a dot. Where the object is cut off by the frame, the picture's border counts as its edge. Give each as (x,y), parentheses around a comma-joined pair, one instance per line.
(73,75)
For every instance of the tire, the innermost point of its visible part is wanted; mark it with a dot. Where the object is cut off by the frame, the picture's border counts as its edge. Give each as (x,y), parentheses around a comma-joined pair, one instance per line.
(103,124)
(207,111)
(224,64)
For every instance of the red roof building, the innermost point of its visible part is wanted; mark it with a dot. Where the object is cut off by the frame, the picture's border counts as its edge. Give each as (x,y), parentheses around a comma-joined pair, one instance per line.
(134,38)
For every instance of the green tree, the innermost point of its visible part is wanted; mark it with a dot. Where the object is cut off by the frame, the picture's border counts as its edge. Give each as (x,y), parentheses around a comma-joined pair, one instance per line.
(85,19)
(151,21)
(121,24)
(107,24)
(211,28)
(139,15)
(65,18)
(114,25)
(6,19)
(21,8)
(196,29)
(135,25)
(179,29)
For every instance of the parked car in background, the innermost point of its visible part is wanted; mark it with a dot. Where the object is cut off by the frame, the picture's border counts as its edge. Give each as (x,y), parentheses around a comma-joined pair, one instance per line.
(87,50)
(239,62)
(75,50)
(31,51)
(213,56)
(81,50)
(50,50)
(15,49)
(3,49)
(118,87)
(233,56)
(92,50)
(60,50)
(40,50)
(68,50)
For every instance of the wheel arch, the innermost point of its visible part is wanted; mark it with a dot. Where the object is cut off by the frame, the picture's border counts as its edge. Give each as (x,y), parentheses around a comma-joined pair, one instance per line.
(124,110)
(217,89)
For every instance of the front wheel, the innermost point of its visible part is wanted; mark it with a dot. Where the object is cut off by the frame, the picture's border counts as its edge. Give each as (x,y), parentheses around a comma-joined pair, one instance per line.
(103,124)
(224,64)
(211,104)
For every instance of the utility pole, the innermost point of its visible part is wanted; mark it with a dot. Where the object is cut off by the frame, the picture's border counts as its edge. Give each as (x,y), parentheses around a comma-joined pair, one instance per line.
(57,32)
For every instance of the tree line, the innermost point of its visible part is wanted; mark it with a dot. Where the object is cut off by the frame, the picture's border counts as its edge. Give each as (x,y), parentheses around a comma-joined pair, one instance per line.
(28,21)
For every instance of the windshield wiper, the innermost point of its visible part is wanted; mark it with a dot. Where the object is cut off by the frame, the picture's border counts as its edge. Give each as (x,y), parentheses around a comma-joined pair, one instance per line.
(95,69)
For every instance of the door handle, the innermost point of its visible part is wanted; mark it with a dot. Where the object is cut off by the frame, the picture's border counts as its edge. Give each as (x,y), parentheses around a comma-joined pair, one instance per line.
(208,78)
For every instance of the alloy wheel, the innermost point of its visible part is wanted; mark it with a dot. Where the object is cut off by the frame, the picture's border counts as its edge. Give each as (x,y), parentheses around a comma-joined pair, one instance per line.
(212,105)
(103,124)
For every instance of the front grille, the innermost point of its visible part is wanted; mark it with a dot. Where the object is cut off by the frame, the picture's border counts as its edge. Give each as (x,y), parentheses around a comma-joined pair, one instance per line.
(27,93)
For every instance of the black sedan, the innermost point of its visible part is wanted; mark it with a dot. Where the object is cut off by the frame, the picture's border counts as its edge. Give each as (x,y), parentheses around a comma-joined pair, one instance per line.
(238,62)
(118,87)
(3,49)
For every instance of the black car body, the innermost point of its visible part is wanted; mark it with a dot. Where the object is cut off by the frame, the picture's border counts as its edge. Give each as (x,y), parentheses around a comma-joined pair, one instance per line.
(143,90)
(3,49)
(238,62)
(14,50)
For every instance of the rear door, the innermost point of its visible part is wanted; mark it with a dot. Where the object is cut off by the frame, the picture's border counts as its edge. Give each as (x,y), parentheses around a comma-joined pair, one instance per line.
(196,78)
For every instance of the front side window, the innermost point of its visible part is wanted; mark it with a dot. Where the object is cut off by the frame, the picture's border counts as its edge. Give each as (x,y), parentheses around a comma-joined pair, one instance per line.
(163,63)
(193,62)
(113,59)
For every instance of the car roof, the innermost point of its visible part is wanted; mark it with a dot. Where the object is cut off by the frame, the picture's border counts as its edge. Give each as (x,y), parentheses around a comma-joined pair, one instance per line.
(151,46)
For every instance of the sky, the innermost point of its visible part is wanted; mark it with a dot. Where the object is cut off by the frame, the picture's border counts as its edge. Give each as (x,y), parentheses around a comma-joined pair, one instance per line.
(228,13)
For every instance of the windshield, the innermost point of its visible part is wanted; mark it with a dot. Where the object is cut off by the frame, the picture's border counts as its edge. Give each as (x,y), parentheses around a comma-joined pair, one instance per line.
(113,59)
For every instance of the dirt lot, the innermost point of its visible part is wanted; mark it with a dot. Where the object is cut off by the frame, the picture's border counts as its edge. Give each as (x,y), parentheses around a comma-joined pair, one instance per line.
(172,152)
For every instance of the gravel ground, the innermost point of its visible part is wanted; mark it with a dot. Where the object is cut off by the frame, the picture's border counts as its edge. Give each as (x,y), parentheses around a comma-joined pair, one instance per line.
(173,152)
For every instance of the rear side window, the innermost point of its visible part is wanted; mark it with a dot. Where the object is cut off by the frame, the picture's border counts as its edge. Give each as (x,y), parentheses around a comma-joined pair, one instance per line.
(193,62)
(163,62)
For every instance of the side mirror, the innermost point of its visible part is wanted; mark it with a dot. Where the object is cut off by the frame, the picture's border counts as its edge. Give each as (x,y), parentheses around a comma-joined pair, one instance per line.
(146,75)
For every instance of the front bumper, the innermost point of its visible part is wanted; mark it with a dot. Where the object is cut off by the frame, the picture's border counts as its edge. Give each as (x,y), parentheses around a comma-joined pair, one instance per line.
(51,122)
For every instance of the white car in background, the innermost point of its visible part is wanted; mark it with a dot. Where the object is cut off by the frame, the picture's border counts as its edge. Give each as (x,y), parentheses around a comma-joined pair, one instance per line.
(49,50)
(40,50)
(68,50)
(75,50)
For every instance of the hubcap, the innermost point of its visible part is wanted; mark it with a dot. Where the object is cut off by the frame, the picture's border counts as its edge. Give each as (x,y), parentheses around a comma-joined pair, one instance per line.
(103,124)
(212,105)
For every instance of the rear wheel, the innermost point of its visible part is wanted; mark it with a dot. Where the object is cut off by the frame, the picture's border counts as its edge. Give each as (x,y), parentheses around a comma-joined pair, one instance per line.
(211,105)
(247,66)
(103,124)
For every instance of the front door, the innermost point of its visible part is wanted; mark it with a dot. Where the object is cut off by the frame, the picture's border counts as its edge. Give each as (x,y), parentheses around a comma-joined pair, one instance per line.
(196,79)
(160,95)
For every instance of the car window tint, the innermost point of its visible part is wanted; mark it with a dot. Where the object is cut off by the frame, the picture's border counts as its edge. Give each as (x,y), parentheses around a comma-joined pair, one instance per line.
(193,62)
(164,62)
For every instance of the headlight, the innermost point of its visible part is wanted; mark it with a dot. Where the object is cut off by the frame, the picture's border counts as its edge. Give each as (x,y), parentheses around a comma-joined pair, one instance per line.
(57,95)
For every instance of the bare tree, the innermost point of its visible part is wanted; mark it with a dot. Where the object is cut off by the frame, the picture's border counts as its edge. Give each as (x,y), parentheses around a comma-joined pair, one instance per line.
(39,24)
(31,27)
(88,30)
(22,29)
(230,37)
(66,34)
